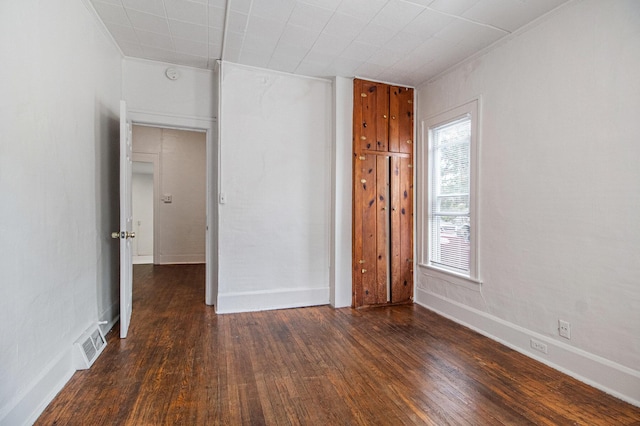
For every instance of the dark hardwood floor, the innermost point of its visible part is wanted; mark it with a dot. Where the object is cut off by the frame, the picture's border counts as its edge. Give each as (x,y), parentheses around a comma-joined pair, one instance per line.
(184,365)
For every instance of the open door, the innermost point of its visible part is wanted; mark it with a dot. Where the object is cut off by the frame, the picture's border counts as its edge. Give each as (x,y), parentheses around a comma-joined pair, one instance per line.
(126,222)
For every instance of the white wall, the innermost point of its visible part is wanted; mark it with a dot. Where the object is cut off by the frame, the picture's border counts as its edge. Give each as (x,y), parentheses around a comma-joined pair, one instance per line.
(559,185)
(180,229)
(59,100)
(143,202)
(276,165)
(146,88)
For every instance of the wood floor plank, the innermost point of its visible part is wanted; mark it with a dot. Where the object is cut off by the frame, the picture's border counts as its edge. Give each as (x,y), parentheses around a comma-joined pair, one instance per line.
(184,365)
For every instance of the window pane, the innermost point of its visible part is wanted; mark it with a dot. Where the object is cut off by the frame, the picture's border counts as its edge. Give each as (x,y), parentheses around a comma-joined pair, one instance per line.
(450,223)
(450,242)
(453,167)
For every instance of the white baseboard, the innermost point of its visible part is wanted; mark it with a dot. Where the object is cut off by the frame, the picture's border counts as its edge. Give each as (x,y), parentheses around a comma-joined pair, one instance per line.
(179,259)
(271,299)
(28,406)
(608,376)
(142,260)
(111,315)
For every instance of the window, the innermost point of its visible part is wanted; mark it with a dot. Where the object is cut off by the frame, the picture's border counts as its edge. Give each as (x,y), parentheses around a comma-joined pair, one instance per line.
(449,229)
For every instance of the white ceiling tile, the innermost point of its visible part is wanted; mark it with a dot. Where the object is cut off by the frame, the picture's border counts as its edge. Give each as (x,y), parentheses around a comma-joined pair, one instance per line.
(278,10)
(215,51)
(131,49)
(267,45)
(326,4)
(427,23)
(265,28)
(148,22)
(216,17)
(362,9)
(237,22)
(234,40)
(343,67)
(311,17)
(112,13)
(358,50)
(231,55)
(459,31)
(121,33)
(159,41)
(385,57)
(396,14)
(330,45)
(282,61)
(187,31)
(453,7)
(344,26)
(155,7)
(509,14)
(403,42)
(376,35)
(424,3)
(242,6)
(299,36)
(256,58)
(290,50)
(215,35)
(410,63)
(190,60)
(117,2)
(312,68)
(191,47)
(151,52)
(186,11)
(433,48)
(319,58)
(369,70)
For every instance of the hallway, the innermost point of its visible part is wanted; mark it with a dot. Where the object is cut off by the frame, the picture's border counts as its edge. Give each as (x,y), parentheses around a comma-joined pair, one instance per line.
(184,365)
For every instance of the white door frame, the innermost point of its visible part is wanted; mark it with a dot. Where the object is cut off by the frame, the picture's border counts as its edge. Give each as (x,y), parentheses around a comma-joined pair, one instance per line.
(209,127)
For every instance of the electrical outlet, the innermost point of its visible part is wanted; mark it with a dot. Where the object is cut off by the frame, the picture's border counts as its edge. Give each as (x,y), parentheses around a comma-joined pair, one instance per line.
(539,346)
(564,329)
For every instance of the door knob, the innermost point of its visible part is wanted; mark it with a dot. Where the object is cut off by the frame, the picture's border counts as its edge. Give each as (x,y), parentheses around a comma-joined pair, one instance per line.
(130,234)
(115,235)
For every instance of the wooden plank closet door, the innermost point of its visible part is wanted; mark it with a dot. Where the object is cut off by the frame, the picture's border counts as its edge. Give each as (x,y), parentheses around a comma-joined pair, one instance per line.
(402,238)
(370,231)
(371,103)
(382,194)
(401,122)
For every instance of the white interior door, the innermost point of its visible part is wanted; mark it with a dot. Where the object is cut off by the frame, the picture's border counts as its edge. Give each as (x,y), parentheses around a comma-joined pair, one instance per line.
(126,221)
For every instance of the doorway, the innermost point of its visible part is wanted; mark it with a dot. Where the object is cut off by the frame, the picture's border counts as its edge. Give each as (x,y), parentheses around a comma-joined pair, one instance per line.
(209,128)
(178,202)
(142,189)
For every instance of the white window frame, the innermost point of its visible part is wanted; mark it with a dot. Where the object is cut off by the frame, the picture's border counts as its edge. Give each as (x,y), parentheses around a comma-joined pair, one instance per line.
(470,109)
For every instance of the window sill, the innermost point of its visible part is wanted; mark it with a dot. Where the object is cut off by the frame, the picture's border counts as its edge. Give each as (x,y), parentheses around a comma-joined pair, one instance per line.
(450,277)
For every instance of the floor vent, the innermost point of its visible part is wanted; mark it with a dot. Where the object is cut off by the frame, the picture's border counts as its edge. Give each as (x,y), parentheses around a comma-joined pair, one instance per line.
(87,348)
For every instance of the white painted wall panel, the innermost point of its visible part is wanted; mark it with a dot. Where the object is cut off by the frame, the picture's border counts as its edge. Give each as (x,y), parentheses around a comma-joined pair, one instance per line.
(147,88)
(143,201)
(276,165)
(559,184)
(59,99)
